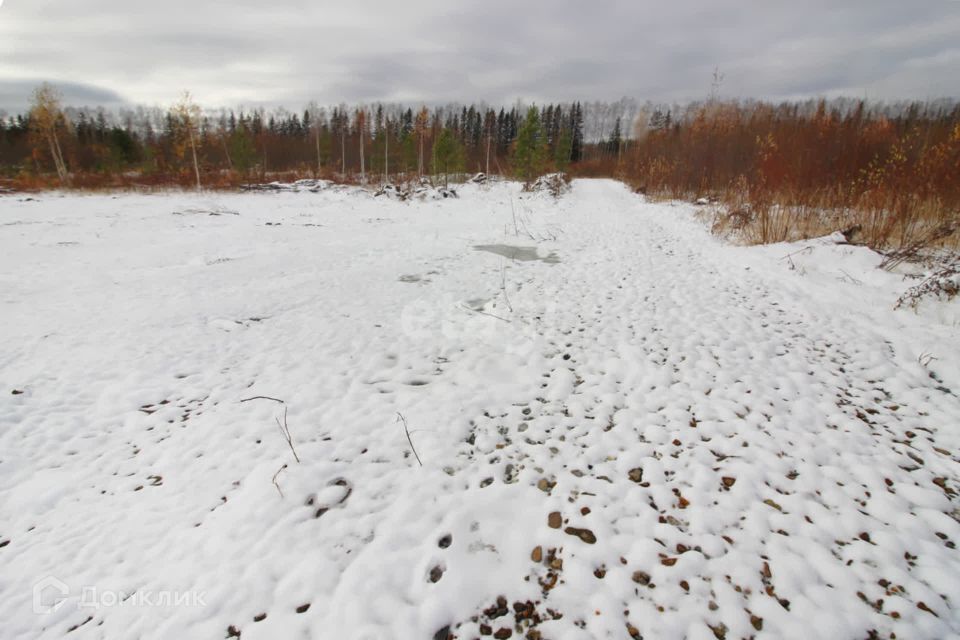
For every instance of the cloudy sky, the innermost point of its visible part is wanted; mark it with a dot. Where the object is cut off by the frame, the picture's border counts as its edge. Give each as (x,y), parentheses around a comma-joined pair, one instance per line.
(246,52)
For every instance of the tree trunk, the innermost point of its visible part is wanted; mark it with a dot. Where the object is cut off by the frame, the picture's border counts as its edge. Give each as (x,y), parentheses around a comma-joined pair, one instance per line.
(196,165)
(58,163)
(319,165)
(363,175)
(226,152)
(420,158)
(488,155)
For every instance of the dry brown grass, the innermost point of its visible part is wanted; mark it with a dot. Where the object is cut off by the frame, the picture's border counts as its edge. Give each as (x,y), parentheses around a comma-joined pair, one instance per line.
(136,181)
(784,174)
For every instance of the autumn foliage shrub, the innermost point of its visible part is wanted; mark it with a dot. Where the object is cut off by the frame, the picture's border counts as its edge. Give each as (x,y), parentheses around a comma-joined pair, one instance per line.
(791,171)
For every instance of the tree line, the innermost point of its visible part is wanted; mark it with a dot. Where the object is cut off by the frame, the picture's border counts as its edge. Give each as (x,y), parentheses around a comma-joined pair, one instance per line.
(896,164)
(366,143)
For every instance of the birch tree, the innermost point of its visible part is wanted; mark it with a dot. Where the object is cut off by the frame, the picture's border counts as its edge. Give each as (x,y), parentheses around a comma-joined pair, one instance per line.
(187,117)
(46,118)
(421,128)
(317,118)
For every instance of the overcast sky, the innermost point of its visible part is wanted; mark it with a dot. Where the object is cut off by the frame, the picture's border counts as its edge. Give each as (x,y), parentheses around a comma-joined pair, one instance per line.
(245,52)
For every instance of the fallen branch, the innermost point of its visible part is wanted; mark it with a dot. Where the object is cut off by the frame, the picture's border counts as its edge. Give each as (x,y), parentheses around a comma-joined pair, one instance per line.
(407,431)
(263,398)
(943,283)
(275,479)
(850,278)
(913,250)
(484,313)
(789,256)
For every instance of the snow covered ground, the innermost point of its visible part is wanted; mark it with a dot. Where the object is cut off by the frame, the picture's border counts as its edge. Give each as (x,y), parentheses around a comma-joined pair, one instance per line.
(627,429)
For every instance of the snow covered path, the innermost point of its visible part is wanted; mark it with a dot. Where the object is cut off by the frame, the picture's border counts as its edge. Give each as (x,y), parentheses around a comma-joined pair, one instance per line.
(651,435)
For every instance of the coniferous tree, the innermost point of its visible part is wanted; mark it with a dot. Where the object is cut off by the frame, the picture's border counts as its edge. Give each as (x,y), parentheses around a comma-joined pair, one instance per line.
(576,133)
(448,154)
(242,149)
(615,140)
(563,150)
(529,151)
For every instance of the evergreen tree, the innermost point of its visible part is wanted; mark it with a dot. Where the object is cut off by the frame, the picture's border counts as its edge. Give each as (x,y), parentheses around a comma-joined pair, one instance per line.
(242,151)
(615,139)
(447,154)
(576,133)
(529,151)
(563,150)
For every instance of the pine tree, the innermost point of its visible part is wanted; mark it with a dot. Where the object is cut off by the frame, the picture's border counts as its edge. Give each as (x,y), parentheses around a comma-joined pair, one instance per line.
(615,140)
(447,154)
(242,150)
(576,133)
(563,150)
(529,151)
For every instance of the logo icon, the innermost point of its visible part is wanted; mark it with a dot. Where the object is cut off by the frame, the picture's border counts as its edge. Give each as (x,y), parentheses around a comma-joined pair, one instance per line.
(50,593)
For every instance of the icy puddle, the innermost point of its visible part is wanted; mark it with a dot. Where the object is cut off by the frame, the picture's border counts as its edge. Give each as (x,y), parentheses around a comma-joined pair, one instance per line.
(523,254)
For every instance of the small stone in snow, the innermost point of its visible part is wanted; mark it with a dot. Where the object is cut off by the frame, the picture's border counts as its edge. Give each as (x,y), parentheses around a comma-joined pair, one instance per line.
(554,520)
(537,554)
(771,503)
(584,534)
(728,481)
(636,475)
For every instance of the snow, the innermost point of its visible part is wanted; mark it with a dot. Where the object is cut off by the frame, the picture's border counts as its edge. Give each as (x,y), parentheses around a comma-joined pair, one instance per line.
(759,444)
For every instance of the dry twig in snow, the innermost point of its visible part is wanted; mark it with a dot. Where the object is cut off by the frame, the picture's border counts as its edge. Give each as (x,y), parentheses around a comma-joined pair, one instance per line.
(400,418)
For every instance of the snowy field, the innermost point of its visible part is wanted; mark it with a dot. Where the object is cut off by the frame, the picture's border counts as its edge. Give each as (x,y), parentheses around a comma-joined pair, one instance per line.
(627,429)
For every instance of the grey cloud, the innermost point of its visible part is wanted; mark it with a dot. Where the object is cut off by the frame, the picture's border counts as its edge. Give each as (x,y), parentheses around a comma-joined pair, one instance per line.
(293,51)
(15,95)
